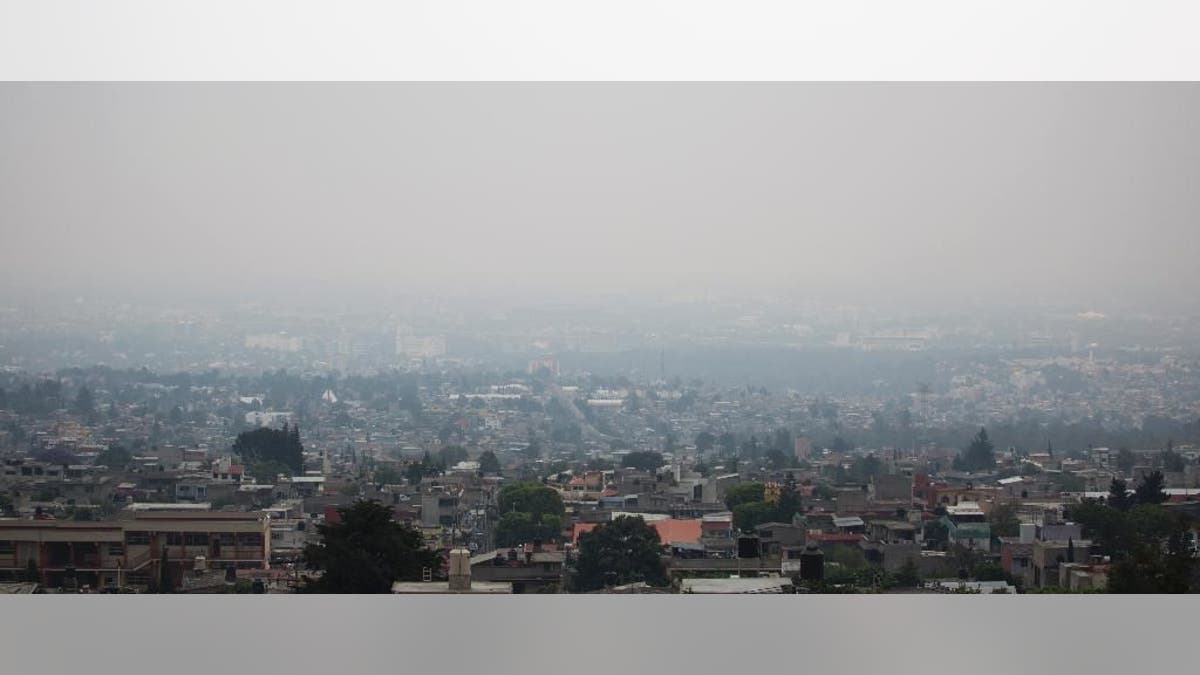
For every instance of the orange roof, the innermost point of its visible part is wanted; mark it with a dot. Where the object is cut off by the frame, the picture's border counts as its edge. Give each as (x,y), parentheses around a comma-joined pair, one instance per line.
(670,531)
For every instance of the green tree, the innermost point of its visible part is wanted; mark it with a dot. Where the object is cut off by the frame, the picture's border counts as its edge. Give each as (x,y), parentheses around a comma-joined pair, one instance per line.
(272,445)
(937,533)
(743,493)
(645,461)
(388,475)
(518,527)
(451,455)
(84,404)
(367,552)
(624,550)
(267,472)
(728,443)
(1171,460)
(979,456)
(415,471)
(1118,495)
(748,515)
(532,498)
(115,457)
(1004,522)
(789,500)
(908,576)
(705,442)
(1150,489)
(488,463)
(988,571)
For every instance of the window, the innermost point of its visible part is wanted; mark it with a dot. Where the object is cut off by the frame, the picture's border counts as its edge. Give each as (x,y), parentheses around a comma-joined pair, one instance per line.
(250,539)
(174,539)
(116,548)
(226,539)
(137,538)
(6,547)
(196,539)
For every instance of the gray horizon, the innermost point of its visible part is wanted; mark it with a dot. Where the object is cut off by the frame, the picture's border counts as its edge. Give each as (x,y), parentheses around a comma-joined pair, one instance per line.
(906,193)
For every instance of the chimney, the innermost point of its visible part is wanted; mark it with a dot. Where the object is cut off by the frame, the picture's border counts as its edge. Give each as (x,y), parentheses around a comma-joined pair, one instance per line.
(460,570)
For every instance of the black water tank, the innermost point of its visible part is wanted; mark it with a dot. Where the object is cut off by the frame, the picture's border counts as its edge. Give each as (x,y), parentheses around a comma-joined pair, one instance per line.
(747,547)
(812,563)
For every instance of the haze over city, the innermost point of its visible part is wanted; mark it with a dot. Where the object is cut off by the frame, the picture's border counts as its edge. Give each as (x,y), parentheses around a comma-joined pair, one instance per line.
(566,338)
(927,195)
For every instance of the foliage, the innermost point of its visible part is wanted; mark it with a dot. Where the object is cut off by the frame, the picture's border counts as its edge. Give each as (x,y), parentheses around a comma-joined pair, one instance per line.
(518,527)
(624,550)
(367,552)
(114,457)
(748,515)
(705,442)
(1150,489)
(849,557)
(531,498)
(1004,522)
(937,533)
(1118,495)
(908,576)
(388,475)
(988,571)
(451,455)
(1147,543)
(743,493)
(268,472)
(979,456)
(488,463)
(272,445)
(415,471)
(1171,460)
(645,461)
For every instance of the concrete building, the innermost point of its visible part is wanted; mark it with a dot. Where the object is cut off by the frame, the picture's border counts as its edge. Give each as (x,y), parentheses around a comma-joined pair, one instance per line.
(459,582)
(129,551)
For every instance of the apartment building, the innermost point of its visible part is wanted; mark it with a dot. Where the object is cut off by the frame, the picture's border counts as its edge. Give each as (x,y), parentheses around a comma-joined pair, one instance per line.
(129,551)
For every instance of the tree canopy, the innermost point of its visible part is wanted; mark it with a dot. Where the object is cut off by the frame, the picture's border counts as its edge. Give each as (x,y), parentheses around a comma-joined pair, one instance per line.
(272,445)
(1147,543)
(624,550)
(979,456)
(451,455)
(743,493)
(646,461)
(532,498)
(367,552)
(519,527)
(488,463)
(1150,489)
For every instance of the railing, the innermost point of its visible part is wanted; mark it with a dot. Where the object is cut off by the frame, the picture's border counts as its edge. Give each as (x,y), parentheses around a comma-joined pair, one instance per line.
(136,561)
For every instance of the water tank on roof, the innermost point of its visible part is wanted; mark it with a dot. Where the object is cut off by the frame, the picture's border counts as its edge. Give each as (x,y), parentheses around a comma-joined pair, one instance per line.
(812,563)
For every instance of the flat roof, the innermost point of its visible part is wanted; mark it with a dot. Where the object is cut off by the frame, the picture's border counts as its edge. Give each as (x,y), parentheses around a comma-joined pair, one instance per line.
(736,585)
(444,587)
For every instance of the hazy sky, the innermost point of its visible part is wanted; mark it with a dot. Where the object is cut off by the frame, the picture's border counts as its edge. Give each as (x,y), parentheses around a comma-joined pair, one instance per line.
(1086,193)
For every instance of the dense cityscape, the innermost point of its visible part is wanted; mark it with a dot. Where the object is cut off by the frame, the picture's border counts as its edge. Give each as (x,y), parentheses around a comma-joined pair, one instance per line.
(695,445)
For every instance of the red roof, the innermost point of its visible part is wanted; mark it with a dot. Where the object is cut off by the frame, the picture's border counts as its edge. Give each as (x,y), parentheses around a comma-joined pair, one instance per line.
(332,516)
(670,530)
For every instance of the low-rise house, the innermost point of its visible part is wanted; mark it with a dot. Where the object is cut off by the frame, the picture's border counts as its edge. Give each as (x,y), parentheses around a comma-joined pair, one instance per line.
(530,568)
